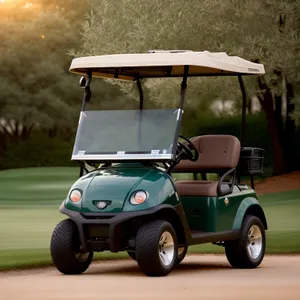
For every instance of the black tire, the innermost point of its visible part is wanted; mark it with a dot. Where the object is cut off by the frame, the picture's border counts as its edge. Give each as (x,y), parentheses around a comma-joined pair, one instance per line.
(181,256)
(148,248)
(65,249)
(132,254)
(237,251)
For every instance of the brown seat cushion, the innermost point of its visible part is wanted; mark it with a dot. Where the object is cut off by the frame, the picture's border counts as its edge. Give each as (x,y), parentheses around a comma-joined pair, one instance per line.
(198,188)
(216,152)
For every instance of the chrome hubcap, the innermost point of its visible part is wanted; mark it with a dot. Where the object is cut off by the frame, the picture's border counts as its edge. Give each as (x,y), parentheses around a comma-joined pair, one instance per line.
(254,245)
(166,248)
(82,257)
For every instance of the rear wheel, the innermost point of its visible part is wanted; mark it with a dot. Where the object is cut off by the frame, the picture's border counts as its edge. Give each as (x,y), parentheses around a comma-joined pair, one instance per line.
(65,249)
(156,248)
(181,254)
(249,250)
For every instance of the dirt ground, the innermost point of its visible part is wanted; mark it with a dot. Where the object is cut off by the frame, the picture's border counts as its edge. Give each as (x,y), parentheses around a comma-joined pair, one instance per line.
(277,184)
(198,277)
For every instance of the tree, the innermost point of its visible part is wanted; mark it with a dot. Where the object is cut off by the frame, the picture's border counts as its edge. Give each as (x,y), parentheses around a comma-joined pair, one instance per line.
(264,31)
(37,91)
(33,71)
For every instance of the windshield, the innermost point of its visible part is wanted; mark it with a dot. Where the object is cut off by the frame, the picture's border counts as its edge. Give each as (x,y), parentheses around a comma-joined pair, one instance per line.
(126,135)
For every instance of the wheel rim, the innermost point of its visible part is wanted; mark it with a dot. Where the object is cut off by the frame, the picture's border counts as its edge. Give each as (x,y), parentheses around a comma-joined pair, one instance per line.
(82,257)
(166,248)
(254,241)
(180,250)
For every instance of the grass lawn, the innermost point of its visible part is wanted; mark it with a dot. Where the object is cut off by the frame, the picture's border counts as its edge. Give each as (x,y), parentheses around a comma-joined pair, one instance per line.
(30,198)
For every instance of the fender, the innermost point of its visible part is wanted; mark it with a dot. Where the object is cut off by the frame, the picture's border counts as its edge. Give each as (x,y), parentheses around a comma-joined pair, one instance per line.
(251,206)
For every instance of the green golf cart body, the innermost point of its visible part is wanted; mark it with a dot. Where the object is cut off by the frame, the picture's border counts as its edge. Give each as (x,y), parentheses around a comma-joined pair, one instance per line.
(127,197)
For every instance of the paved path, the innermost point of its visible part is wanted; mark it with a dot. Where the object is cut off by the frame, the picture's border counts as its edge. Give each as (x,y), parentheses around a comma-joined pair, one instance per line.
(198,277)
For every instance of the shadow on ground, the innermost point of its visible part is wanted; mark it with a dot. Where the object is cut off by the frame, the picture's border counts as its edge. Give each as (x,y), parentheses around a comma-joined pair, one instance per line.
(133,269)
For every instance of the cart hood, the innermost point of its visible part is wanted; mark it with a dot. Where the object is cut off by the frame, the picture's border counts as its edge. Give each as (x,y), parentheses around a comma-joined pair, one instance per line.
(116,185)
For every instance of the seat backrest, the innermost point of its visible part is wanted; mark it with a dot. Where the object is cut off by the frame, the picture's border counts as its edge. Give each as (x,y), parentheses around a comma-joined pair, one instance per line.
(216,153)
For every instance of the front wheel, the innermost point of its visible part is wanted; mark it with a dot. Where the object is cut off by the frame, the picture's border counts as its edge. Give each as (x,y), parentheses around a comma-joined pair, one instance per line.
(65,249)
(249,250)
(156,248)
(181,254)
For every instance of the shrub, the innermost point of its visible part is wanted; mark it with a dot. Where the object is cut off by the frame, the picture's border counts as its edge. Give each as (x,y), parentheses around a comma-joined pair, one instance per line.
(38,150)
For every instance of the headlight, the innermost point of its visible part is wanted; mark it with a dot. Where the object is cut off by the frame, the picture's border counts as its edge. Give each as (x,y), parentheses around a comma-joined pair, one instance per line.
(138,197)
(75,196)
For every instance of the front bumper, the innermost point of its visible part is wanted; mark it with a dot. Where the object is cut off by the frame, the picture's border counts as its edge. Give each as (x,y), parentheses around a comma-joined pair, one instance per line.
(106,231)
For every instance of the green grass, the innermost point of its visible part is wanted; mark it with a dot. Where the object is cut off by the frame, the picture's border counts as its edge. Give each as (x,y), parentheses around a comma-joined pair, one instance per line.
(36,185)
(30,198)
(283,216)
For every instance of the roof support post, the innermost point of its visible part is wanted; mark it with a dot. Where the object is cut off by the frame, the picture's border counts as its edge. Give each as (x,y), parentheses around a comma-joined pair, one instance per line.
(183,86)
(138,82)
(243,130)
(87,90)
(180,110)
(86,98)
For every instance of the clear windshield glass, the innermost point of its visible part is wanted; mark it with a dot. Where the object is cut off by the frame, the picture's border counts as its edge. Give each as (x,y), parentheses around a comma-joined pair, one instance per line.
(126,134)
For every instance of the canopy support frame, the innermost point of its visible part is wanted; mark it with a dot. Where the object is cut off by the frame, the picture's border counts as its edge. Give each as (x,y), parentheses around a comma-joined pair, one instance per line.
(244,105)
(87,90)
(86,98)
(243,129)
(180,109)
(184,86)
(139,85)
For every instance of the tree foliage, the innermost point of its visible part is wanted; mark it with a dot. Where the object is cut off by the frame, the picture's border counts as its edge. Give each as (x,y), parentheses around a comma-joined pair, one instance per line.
(267,32)
(37,91)
(250,29)
(34,83)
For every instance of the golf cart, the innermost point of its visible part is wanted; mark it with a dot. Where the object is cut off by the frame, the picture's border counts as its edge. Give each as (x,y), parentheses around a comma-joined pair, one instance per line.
(126,198)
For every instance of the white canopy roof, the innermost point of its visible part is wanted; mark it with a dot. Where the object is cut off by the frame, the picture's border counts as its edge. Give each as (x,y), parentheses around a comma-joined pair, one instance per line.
(164,64)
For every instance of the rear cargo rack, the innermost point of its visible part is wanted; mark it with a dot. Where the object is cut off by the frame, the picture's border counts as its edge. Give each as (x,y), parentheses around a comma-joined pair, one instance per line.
(251,162)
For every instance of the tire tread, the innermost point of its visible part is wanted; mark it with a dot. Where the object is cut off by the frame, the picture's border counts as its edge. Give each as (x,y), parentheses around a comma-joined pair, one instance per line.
(236,251)
(64,243)
(147,248)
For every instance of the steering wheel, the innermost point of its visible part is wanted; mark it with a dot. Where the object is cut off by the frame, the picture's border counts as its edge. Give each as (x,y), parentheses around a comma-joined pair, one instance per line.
(188,151)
